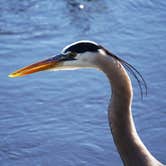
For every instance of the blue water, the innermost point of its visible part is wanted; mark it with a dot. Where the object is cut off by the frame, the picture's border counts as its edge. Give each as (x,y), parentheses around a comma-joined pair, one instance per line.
(60,118)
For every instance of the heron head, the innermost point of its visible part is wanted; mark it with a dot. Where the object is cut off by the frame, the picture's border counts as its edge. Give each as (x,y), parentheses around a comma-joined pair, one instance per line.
(80,54)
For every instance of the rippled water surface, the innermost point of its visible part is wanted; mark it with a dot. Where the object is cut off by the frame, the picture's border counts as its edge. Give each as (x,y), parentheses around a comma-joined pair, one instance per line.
(60,118)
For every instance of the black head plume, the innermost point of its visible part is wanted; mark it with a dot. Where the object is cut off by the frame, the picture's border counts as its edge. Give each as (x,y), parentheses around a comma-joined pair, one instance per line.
(137,75)
(82,46)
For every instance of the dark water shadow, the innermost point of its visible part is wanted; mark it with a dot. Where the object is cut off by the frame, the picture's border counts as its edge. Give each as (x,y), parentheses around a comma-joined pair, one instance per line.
(16,6)
(11,12)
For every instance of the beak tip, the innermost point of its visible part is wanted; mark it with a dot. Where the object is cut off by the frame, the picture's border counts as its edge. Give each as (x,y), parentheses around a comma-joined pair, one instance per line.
(12,75)
(36,67)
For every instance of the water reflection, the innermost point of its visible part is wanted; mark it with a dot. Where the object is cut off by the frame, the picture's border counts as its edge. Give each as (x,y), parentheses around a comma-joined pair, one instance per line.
(82,13)
(78,15)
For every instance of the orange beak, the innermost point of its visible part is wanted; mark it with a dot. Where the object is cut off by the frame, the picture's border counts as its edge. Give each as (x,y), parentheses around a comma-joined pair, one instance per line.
(39,66)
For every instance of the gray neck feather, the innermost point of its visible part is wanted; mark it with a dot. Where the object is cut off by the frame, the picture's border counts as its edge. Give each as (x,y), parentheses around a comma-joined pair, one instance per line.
(130,147)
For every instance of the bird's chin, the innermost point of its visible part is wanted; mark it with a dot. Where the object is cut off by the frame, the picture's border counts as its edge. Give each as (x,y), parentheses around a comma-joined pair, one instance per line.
(64,68)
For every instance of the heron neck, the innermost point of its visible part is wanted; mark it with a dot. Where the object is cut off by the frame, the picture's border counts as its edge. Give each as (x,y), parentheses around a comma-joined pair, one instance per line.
(128,143)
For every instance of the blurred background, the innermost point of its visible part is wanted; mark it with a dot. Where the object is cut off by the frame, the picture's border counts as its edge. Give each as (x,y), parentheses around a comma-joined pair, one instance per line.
(60,118)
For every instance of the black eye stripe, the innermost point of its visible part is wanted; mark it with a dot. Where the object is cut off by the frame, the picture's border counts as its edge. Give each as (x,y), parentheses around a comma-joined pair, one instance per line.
(72,54)
(68,56)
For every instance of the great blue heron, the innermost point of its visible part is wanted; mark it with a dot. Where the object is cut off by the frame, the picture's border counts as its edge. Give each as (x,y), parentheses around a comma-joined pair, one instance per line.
(88,54)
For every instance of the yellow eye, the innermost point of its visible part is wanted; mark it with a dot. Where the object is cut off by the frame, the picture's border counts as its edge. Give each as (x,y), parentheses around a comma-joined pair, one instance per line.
(72,55)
